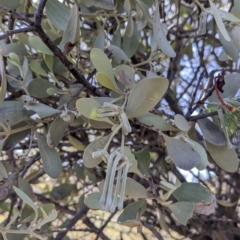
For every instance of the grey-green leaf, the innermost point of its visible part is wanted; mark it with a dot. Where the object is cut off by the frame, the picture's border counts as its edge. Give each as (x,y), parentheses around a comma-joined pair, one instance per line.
(202,152)
(181,123)
(134,189)
(26,199)
(97,144)
(58,13)
(13,112)
(125,75)
(130,216)
(71,33)
(219,21)
(13,4)
(211,132)
(156,122)
(24,185)
(229,47)
(42,110)
(101,62)
(100,39)
(145,95)
(38,88)
(182,211)
(88,107)
(143,158)
(224,157)
(57,130)
(118,54)
(51,160)
(182,153)
(3,171)
(130,45)
(193,192)
(92,200)
(38,45)
(3,80)
(160,36)
(105,81)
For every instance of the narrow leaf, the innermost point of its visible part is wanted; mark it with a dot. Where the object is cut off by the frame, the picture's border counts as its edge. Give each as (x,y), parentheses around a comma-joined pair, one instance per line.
(26,199)
(76,143)
(219,21)
(71,33)
(51,161)
(42,110)
(156,122)
(57,130)
(160,36)
(3,80)
(3,171)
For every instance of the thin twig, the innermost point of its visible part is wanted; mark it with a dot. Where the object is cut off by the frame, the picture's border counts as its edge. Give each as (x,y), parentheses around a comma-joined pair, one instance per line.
(71,223)
(194,95)
(153,230)
(14,31)
(104,225)
(202,115)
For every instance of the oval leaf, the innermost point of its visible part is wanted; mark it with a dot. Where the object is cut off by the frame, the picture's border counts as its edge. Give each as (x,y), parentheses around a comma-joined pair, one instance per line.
(182,153)
(145,95)
(181,123)
(125,75)
(105,81)
(102,63)
(182,211)
(26,199)
(38,88)
(92,200)
(224,157)
(211,132)
(88,107)
(193,192)
(97,144)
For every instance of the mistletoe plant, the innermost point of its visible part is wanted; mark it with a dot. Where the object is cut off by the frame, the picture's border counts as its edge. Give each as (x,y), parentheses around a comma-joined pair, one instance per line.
(129,101)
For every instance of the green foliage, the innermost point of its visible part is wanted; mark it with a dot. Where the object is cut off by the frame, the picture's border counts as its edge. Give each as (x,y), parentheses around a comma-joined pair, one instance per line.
(98,95)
